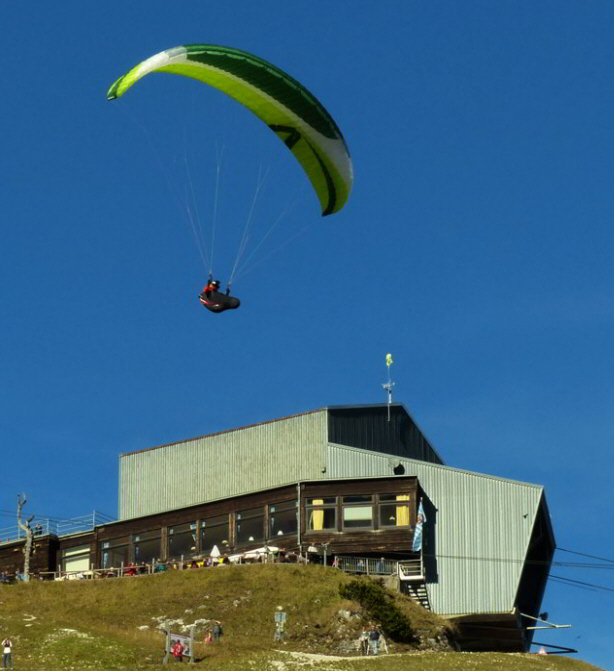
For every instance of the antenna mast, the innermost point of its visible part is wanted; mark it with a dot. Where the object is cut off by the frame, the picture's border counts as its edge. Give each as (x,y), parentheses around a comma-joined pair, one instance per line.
(390,384)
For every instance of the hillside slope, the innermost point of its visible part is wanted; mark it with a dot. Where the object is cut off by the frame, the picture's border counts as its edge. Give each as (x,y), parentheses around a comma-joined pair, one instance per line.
(114,623)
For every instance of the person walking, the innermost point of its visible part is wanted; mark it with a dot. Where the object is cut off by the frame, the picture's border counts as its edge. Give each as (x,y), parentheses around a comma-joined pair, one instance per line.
(7,653)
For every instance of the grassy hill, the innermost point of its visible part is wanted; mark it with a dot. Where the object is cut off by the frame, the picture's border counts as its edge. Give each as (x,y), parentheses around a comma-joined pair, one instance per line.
(114,624)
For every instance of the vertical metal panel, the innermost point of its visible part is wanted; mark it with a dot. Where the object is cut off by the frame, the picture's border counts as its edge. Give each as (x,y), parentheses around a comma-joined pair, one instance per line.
(482,528)
(222,465)
(369,428)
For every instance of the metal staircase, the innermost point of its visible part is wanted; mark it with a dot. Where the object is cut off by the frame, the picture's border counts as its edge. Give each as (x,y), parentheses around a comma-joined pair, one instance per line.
(412,582)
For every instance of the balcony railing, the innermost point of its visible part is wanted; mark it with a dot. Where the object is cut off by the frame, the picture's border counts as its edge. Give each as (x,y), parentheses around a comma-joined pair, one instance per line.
(367,565)
(407,569)
(411,569)
(46,526)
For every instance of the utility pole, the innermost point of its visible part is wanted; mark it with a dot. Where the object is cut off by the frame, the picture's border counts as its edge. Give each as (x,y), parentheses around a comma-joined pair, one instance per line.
(390,384)
(27,549)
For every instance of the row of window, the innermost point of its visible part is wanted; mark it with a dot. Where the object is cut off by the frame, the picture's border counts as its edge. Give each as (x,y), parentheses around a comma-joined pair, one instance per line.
(367,512)
(333,513)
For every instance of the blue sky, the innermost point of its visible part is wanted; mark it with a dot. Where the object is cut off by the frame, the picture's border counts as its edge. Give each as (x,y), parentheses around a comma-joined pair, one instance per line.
(476,247)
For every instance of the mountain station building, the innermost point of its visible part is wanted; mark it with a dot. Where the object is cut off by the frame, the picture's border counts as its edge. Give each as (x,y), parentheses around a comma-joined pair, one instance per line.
(345,483)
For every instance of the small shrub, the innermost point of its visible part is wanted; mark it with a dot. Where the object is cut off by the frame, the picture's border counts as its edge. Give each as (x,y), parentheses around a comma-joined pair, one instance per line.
(381,607)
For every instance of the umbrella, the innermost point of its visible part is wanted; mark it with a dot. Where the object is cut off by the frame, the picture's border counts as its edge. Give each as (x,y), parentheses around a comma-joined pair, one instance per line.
(214,552)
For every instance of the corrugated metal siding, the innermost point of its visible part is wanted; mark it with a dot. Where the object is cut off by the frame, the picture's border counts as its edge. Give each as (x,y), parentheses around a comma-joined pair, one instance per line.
(481,532)
(222,465)
(368,428)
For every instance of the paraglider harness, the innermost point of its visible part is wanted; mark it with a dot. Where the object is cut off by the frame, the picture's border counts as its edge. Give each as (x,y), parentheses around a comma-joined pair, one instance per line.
(214,300)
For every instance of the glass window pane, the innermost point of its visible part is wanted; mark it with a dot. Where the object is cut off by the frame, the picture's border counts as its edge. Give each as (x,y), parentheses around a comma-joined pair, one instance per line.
(147,535)
(394,497)
(182,528)
(214,521)
(322,501)
(391,515)
(250,530)
(286,505)
(112,542)
(358,517)
(282,522)
(147,551)
(182,544)
(357,499)
(252,512)
(321,519)
(114,557)
(214,531)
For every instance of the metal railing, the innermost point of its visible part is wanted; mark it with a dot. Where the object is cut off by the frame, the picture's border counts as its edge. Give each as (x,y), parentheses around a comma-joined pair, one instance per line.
(406,569)
(45,526)
(411,569)
(366,565)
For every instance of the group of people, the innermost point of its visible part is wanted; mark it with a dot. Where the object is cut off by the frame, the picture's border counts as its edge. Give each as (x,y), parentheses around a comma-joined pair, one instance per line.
(370,640)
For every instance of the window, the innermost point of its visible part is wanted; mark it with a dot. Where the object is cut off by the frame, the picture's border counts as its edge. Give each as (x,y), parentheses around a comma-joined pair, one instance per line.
(358,517)
(363,498)
(355,515)
(322,514)
(249,526)
(76,559)
(392,513)
(213,531)
(322,501)
(182,540)
(147,546)
(283,520)
(114,552)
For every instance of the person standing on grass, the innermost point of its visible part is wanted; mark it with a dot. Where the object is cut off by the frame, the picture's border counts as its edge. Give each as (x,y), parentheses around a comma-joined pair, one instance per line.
(280,618)
(374,640)
(7,653)
(364,641)
(216,631)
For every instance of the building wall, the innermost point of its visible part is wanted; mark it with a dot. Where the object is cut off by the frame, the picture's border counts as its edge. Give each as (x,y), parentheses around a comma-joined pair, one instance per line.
(41,560)
(370,428)
(478,527)
(261,456)
(222,465)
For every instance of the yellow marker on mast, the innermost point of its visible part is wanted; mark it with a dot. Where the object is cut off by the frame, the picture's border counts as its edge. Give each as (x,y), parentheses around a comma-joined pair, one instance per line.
(390,384)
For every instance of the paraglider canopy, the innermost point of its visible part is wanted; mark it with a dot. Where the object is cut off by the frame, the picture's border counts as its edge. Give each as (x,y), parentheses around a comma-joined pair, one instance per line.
(281,102)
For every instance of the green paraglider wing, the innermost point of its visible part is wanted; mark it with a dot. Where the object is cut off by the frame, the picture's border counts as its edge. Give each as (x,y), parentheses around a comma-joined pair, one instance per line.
(287,108)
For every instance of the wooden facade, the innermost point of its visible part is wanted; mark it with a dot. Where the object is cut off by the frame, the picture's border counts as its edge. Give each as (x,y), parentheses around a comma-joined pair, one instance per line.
(42,559)
(365,516)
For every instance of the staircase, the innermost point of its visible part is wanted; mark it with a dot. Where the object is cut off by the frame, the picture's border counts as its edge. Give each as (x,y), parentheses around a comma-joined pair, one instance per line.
(417,591)
(412,582)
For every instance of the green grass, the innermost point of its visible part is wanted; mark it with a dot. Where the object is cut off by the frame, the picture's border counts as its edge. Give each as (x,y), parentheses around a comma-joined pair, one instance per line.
(112,624)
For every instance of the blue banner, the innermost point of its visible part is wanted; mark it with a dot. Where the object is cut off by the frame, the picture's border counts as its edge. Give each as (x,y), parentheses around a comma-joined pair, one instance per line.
(417,546)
